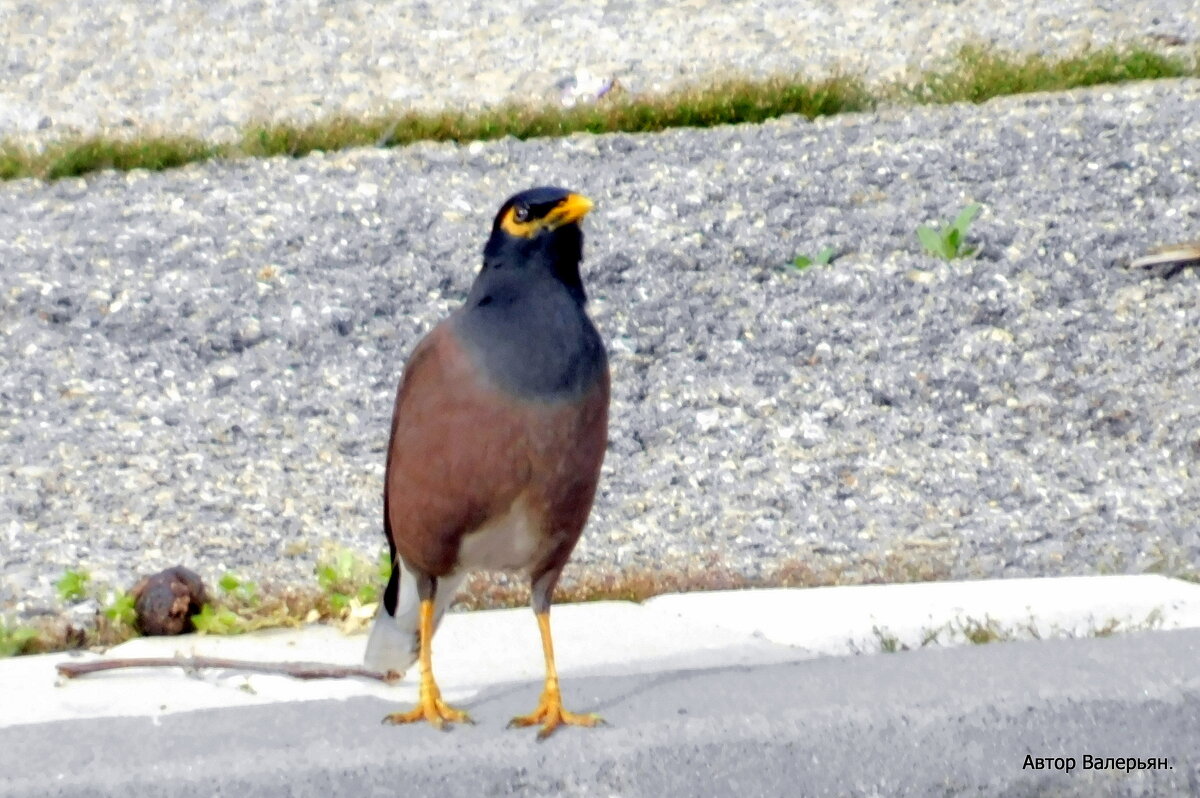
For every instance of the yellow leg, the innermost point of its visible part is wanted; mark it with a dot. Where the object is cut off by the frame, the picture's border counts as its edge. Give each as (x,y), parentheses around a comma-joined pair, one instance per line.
(550,712)
(430,708)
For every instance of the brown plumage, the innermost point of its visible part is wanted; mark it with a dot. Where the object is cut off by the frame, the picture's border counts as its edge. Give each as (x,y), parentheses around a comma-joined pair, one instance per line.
(463,452)
(498,434)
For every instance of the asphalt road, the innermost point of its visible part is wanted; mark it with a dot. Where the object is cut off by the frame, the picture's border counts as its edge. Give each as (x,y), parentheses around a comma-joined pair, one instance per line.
(942,722)
(200,364)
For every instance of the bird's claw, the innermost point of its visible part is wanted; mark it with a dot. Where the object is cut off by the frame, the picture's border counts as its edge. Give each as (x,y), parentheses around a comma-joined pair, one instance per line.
(435,712)
(551,715)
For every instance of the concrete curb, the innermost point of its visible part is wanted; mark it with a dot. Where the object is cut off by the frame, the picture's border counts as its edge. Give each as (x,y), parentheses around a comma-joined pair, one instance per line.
(474,652)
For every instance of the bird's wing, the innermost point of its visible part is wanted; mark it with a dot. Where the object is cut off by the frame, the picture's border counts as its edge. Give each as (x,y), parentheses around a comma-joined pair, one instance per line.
(457,455)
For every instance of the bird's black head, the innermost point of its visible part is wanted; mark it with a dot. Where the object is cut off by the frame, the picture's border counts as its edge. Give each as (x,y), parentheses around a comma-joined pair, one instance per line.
(539,229)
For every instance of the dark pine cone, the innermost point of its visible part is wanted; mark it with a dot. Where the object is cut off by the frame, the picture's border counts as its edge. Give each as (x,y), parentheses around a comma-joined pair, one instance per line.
(166,601)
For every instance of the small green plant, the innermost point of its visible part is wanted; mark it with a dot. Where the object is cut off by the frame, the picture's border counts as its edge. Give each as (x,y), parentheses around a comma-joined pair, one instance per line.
(344,575)
(983,632)
(822,258)
(235,587)
(929,637)
(14,639)
(213,620)
(73,585)
(236,612)
(950,242)
(121,610)
(888,642)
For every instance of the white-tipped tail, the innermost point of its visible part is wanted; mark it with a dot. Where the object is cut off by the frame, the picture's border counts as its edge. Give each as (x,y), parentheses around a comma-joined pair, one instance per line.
(395,641)
(390,648)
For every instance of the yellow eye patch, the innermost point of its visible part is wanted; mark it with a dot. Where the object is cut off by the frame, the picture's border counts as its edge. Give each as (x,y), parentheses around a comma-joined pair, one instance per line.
(571,209)
(526,229)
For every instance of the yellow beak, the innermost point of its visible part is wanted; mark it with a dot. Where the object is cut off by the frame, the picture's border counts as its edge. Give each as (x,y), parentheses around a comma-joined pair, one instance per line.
(572,209)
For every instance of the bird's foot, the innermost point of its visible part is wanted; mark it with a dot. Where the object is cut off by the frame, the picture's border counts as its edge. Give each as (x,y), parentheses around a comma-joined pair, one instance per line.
(432,709)
(551,715)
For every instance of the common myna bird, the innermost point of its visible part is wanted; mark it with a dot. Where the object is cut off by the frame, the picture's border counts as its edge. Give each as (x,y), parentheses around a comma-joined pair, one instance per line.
(498,434)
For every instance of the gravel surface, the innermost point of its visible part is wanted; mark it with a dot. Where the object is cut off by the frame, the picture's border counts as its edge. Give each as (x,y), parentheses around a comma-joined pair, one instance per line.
(199,364)
(208,68)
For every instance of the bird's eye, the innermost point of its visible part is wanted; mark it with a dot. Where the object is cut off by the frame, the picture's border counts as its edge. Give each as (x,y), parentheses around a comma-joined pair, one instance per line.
(520,214)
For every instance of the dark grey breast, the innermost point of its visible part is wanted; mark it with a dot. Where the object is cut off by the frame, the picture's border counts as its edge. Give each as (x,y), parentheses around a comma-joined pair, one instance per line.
(530,335)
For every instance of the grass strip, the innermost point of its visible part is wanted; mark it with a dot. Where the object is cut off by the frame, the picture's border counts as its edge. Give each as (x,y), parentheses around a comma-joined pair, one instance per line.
(728,103)
(979,74)
(349,584)
(975,74)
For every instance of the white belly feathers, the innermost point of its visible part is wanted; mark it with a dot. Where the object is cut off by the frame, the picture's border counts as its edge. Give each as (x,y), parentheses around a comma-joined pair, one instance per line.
(511,542)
